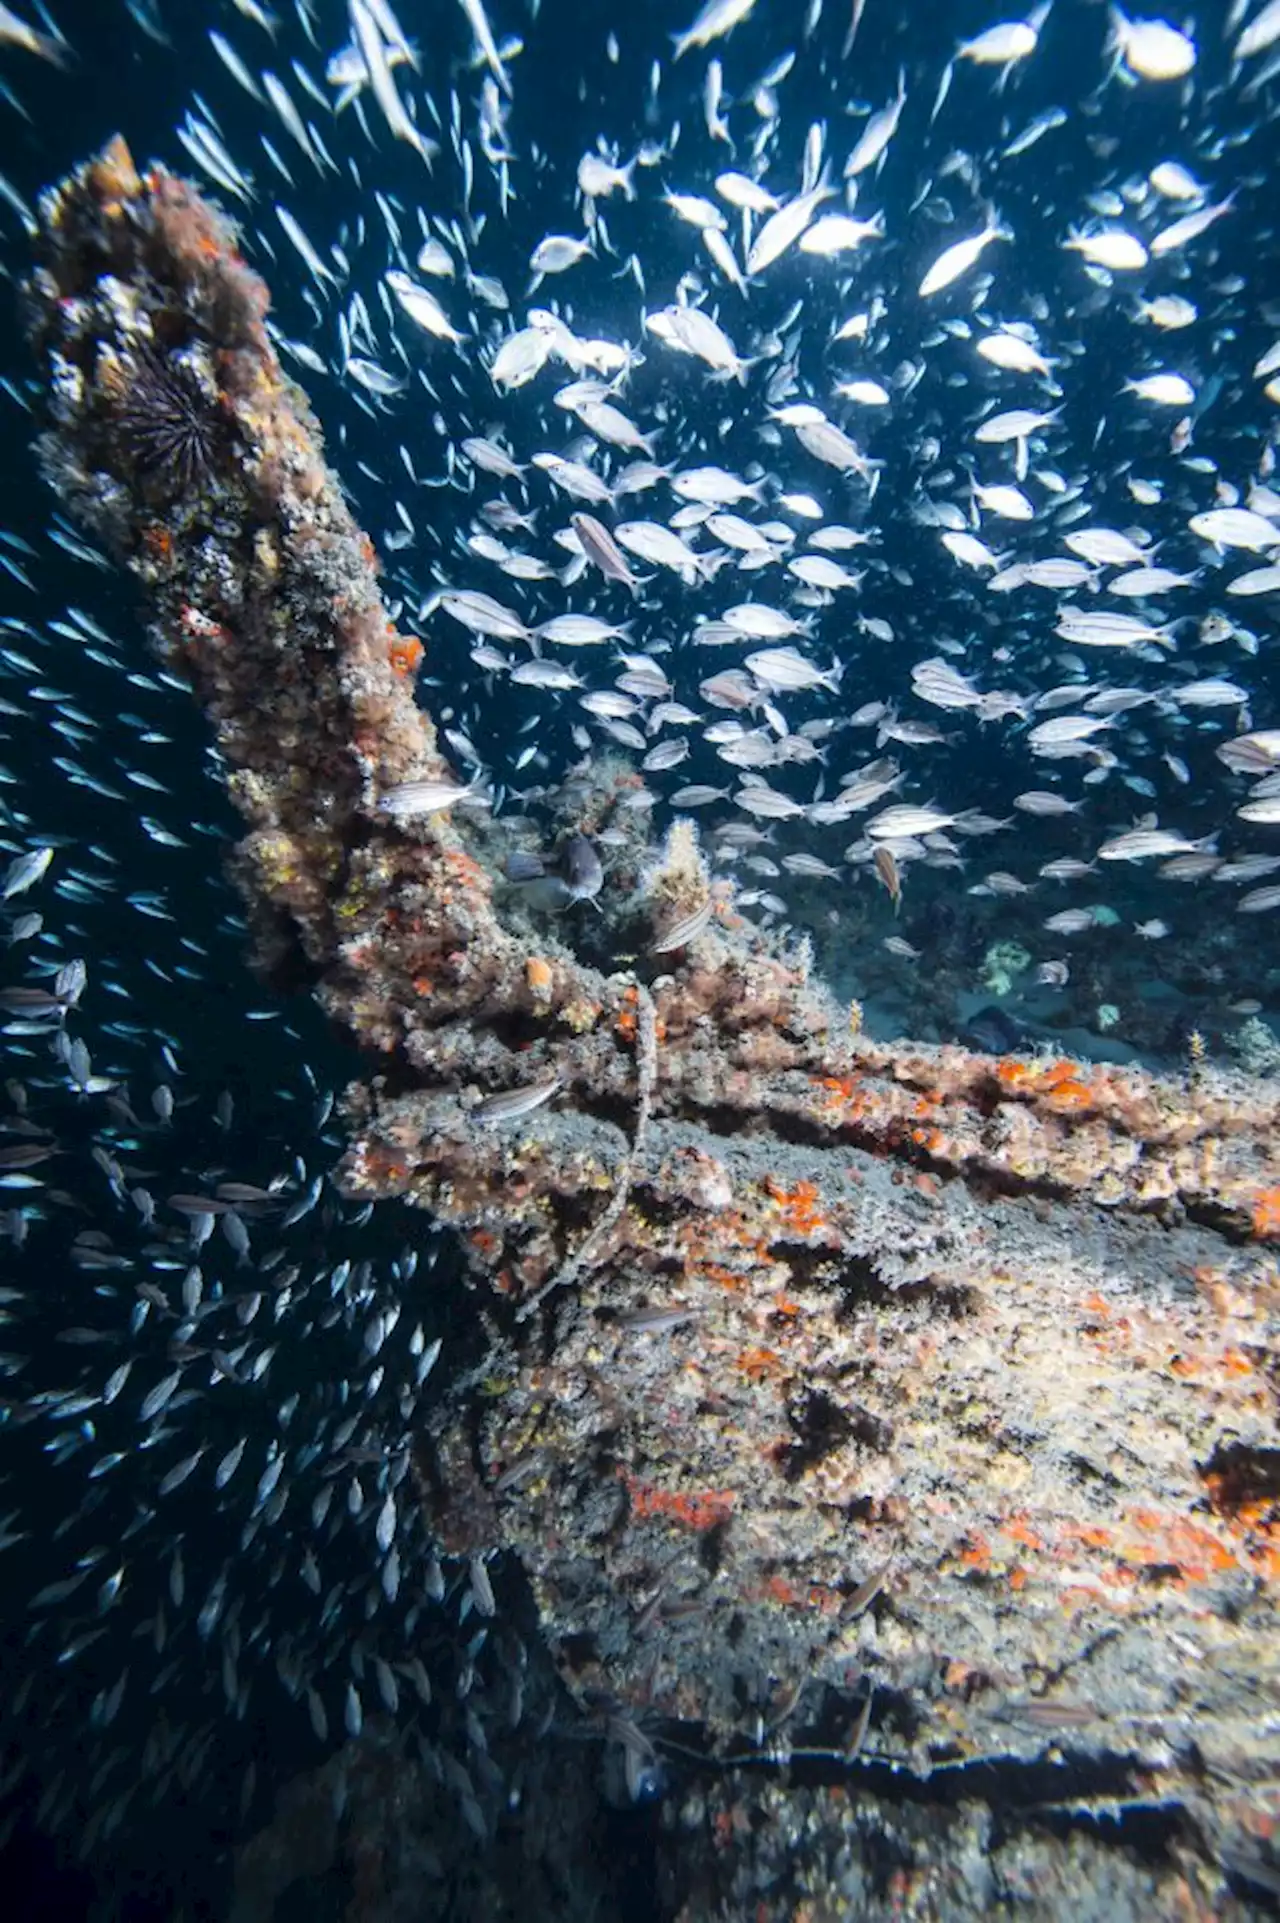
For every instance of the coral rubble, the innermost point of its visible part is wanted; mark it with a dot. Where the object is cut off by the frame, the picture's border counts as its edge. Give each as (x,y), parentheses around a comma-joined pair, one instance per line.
(817,1370)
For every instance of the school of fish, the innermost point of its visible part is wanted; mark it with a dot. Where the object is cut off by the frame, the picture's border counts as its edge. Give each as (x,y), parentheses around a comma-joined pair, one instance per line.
(864,443)
(748,470)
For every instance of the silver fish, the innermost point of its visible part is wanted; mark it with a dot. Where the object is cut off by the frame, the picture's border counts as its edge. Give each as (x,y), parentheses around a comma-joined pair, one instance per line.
(513,1104)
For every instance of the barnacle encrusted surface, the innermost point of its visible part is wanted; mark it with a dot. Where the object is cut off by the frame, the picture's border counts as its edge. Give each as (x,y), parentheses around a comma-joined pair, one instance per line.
(965,1402)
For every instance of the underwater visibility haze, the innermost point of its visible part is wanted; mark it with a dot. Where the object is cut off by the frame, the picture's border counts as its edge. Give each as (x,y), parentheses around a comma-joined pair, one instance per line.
(640,852)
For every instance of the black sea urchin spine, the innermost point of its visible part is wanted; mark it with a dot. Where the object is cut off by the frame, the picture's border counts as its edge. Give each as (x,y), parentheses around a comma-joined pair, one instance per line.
(168,422)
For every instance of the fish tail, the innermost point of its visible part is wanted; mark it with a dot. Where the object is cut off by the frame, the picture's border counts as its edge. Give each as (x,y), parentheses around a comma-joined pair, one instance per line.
(49,48)
(944,88)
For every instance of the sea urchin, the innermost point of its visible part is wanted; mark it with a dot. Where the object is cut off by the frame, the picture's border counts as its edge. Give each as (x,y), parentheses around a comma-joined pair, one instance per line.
(168,423)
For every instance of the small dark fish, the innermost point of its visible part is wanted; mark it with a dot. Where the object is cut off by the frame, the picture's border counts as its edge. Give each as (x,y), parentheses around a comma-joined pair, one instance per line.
(246,1195)
(1250,1867)
(319,1721)
(548,894)
(481,1588)
(30,1001)
(155,1400)
(180,1471)
(26,1154)
(583,869)
(197,1205)
(858,1734)
(522,864)
(518,1472)
(994,1031)
(229,1464)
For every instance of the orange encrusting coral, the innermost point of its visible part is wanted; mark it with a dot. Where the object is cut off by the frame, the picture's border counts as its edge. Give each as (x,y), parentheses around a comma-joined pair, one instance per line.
(1266,1213)
(798,1206)
(699,1511)
(539,975)
(404,651)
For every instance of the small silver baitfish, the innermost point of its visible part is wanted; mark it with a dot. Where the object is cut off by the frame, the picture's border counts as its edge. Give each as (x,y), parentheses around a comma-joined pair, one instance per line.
(513,1103)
